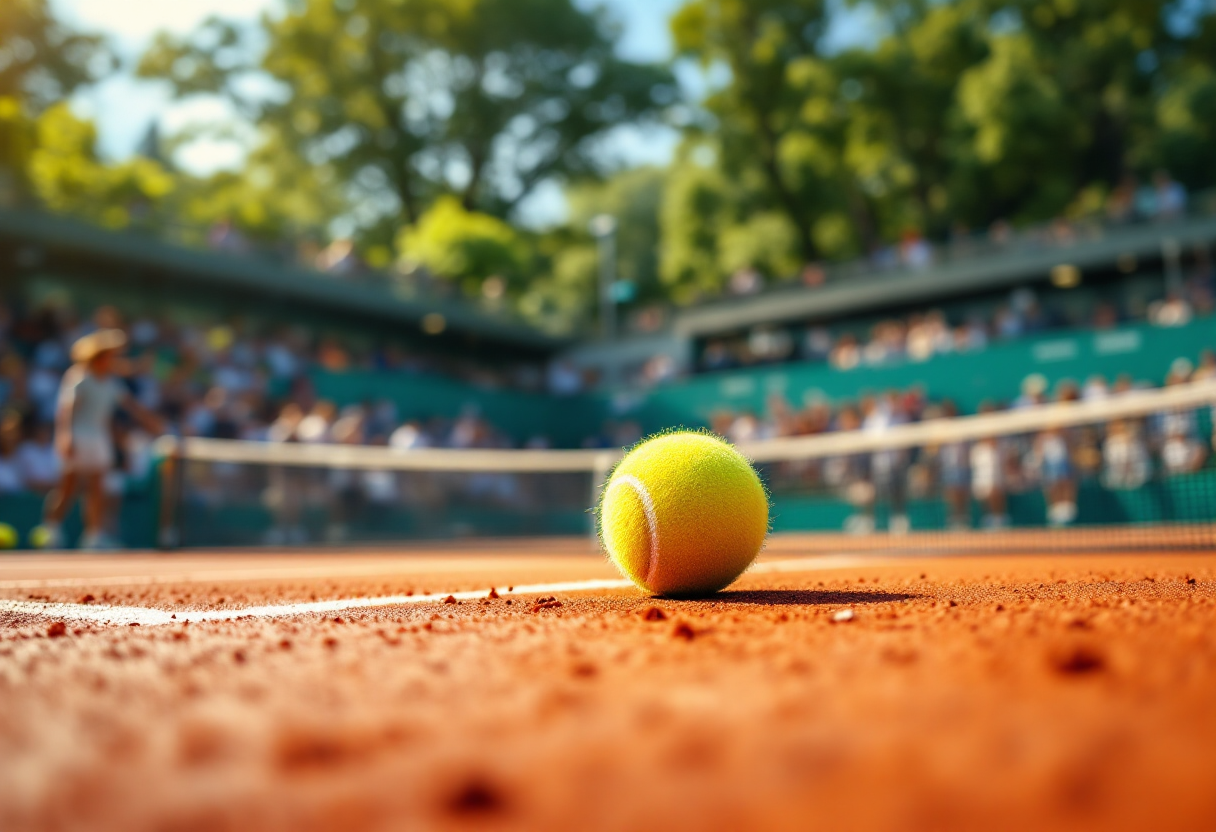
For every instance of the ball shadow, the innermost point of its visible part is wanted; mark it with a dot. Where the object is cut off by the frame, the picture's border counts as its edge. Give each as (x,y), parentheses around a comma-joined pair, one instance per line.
(806,597)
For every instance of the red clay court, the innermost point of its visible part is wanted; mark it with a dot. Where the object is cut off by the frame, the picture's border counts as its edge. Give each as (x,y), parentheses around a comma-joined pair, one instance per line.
(344,690)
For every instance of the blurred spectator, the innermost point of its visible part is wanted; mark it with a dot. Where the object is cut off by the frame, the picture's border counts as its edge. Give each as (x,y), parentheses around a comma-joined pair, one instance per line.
(224,236)
(813,275)
(922,335)
(409,436)
(1055,460)
(1051,463)
(316,428)
(989,461)
(38,460)
(1173,311)
(816,345)
(1095,389)
(1181,452)
(746,282)
(659,370)
(1169,196)
(846,354)
(766,344)
(565,378)
(914,251)
(1121,203)
(11,480)
(716,356)
(1126,463)
(1106,316)
(339,258)
(216,379)
(1000,233)
(1034,389)
(1206,369)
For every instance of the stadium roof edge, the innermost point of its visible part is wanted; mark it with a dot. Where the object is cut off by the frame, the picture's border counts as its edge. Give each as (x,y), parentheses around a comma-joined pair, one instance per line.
(980,273)
(252,275)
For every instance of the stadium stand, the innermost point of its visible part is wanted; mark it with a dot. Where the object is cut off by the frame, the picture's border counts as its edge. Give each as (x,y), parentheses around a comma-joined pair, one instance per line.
(230,346)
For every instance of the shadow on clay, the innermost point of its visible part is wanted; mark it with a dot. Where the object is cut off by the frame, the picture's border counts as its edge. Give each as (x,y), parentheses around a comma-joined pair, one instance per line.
(807,597)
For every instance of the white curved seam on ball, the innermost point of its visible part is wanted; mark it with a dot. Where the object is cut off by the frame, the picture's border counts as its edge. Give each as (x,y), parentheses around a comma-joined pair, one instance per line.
(652,520)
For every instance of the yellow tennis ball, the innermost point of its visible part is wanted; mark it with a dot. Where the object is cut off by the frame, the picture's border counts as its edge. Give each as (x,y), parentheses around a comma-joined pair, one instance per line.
(683,514)
(8,536)
(40,537)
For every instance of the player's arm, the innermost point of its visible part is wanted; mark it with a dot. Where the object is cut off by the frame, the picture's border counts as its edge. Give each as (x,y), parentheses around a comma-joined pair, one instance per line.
(151,422)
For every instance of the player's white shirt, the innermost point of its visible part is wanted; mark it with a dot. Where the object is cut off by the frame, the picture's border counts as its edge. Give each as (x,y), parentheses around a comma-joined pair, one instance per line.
(91,401)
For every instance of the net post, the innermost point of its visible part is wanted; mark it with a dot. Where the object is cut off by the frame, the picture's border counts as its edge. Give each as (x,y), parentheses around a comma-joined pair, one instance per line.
(168,535)
(601,467)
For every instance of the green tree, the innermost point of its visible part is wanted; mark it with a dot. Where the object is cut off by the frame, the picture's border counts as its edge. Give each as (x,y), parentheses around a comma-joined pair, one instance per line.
(754,119)
(274,197)
(889,109)
(1069,97)
(632,198)
(714,225)
(68,177)
(1186,121)
(412,99)
(958,113)
(41,59)
(481,253)
(565,288)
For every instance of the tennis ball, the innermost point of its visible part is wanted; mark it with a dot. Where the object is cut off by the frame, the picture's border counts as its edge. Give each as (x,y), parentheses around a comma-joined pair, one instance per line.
(40,537)
(683,514)
(8,536)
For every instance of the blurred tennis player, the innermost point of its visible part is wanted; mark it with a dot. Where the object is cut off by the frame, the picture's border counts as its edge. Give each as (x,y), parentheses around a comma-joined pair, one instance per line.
(88,396)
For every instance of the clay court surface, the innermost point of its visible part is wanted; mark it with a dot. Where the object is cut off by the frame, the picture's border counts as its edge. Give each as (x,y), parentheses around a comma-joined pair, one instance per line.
(822,691)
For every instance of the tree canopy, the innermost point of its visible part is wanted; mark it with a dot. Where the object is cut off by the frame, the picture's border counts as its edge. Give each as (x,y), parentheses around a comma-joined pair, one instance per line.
(423,125)
(42,60)
(411,100)
(955,115)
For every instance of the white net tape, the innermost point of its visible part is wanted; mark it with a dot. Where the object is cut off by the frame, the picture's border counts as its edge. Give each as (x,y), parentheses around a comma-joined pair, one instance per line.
(819,446)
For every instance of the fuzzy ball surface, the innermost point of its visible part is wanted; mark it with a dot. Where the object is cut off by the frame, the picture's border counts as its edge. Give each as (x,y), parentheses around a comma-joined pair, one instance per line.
(683,514)
(8,536)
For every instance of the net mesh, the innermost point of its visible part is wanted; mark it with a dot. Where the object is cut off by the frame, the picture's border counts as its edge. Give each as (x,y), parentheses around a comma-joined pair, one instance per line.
(231,503)
(1130,472)
(1136,471)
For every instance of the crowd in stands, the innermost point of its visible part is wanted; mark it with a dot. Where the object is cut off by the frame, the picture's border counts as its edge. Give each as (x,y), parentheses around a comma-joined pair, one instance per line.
(920,336)
(212,380)
(338,258)
(1123,454)
(218,381)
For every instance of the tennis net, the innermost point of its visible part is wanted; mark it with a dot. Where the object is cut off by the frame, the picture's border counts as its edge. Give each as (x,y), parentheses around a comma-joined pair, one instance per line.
(1131,471)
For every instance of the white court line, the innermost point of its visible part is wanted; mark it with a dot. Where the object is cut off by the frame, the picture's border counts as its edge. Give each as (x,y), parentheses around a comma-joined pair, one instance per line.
(222,576)
(147,616)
